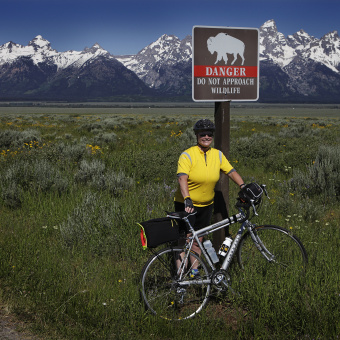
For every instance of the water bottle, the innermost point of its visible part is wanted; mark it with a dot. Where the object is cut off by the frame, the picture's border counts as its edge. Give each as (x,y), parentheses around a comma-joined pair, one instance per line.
(225,246)
(211,251)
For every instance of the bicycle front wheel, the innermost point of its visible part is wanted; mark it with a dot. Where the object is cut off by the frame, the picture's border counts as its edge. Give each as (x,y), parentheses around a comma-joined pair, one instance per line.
(167,289)
(272,245)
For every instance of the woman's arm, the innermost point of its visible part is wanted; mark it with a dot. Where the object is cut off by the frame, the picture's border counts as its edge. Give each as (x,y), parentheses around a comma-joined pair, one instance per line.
(183,185)
(235,177)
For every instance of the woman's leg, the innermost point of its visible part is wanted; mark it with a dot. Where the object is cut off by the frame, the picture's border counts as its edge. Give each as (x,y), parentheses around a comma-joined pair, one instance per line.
(202,219)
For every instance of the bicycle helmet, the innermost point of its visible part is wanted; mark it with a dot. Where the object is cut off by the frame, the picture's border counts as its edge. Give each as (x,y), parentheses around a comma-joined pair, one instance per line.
(204,124)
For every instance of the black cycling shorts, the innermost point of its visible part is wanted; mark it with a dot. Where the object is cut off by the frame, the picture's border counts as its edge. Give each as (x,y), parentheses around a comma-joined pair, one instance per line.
(203,215)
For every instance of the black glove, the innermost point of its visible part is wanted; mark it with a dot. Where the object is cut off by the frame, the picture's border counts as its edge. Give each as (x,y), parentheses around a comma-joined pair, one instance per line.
(188,203)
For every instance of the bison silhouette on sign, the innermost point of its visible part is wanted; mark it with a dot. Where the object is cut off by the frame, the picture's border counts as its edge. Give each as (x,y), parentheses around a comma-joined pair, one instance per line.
(224,44)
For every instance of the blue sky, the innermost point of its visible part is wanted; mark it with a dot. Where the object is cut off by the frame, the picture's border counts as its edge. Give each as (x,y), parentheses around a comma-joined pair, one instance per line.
(127,26)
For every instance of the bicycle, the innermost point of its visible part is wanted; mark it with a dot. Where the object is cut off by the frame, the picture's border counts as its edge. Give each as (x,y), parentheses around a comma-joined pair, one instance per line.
(167,288)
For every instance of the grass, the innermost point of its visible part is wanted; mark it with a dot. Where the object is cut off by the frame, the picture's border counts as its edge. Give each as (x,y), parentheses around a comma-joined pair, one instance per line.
(73,186)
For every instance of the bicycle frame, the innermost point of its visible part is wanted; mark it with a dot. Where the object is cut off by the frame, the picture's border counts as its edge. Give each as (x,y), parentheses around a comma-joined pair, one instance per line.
(219,225)
(243,218)
(240,217)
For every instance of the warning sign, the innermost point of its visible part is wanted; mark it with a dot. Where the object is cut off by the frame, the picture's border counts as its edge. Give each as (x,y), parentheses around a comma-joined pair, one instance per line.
(225,63)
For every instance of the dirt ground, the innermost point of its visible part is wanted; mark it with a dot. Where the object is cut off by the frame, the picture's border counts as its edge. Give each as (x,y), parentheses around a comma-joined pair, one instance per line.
(12,329)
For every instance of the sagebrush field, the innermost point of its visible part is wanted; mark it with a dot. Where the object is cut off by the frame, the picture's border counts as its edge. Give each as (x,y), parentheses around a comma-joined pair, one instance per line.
(74,184)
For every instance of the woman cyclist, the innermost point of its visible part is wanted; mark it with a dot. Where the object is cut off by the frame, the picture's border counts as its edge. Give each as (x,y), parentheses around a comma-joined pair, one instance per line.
(198,172)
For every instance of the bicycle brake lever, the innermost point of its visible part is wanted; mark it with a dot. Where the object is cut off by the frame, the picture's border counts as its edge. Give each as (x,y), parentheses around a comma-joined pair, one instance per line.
(264,187)
(253,205)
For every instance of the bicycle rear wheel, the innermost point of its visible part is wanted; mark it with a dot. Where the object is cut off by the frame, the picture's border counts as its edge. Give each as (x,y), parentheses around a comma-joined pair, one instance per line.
(283,252)
(168,291)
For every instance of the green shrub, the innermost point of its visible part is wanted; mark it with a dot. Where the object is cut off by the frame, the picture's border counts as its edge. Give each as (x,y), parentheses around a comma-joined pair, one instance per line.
(110,123)
(322,177)
(254,149)
(13,138)
(105,138)
(95,225)
(149,165)
(65,153)
(113,182)
(298,131)
(33,175)
(11,195)
(187,139)
(88,170)
(90,126)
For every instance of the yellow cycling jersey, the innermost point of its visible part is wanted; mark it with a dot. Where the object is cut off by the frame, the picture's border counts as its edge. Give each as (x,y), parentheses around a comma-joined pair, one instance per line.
(203,170)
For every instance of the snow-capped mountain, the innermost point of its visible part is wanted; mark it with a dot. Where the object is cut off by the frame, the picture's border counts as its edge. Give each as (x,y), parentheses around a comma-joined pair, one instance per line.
(40,50)
(276,47)
(304,68)
(37,71)
(160,60)
(273,45)
(298,67)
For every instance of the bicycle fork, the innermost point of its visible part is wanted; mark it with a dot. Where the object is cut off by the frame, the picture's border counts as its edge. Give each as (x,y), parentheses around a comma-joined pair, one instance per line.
(260,246)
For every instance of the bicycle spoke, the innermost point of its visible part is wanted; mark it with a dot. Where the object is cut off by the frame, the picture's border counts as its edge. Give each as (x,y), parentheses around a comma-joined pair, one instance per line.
(168,296)
(282,251)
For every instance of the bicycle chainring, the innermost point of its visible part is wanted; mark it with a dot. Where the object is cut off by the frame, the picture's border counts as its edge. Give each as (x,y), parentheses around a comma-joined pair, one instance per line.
(221,280)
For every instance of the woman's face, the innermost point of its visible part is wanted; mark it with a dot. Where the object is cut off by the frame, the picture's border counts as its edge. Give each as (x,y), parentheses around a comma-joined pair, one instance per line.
(205,138)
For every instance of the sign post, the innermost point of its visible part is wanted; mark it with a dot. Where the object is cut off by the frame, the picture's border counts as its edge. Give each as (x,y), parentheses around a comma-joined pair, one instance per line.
(222,142)
(225,67)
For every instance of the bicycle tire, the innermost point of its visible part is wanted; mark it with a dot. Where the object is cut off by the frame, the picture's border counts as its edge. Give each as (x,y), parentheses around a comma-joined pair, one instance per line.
(166,295)
(286,251)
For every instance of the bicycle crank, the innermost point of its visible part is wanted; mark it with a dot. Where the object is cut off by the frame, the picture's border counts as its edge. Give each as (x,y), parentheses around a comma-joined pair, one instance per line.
(221,280)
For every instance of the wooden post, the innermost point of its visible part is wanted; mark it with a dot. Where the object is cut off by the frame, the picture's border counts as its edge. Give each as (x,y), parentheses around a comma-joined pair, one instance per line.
(222,142)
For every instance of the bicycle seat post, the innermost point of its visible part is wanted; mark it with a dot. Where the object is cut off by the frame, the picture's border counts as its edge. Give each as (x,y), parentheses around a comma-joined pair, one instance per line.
(186,220)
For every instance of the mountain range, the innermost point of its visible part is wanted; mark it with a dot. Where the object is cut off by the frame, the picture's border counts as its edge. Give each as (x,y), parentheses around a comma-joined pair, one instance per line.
(296,68)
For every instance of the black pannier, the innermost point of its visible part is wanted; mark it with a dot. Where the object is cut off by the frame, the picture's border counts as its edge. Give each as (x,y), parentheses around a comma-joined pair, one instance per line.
(158,231)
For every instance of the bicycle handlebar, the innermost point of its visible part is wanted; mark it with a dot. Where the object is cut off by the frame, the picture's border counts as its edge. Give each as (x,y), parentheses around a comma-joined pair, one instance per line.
(264,187)
(247,198)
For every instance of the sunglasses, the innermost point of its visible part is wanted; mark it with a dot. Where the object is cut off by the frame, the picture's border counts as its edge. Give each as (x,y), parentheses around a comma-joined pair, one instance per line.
(203,134)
